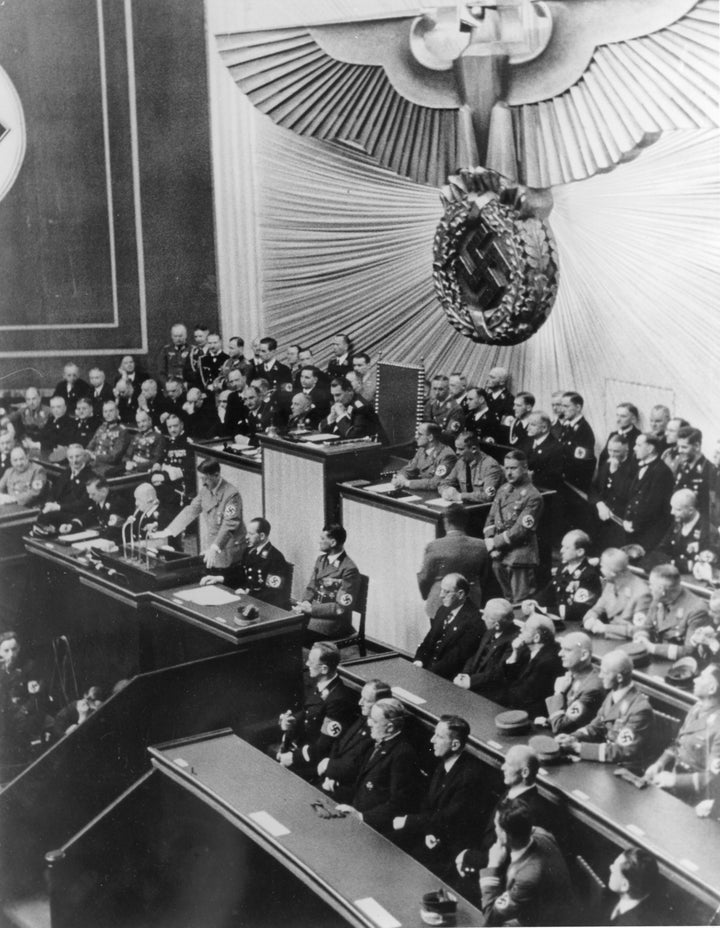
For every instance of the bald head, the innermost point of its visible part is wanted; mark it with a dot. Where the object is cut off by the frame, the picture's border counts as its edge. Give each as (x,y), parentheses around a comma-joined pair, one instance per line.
(683,505)
(145,496)
(613,563)
(576,651)
(615,669)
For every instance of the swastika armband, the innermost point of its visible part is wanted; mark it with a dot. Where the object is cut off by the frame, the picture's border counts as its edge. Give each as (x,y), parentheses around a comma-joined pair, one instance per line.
(581,596)
(440,470)
(528,521)
(626,737)
(345,599)
(273,581)
(331,727)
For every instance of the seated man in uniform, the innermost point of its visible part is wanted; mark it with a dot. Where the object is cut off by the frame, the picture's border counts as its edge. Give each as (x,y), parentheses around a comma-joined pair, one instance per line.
(333,586)
(634,879)
(578,692)
(109,443)
(454,633)
(475,477)
(484,670)
(673,617)
(687,766)
(622,731)
(431,463)
(23,482)
(30,418)
(340,769)
(349,416)
(622,596)
(219,506)
(511,530)
(308,736)
(107,513)
(575,586)
(303,414)
(526,881)
(262,571)
(455,552)
(450,814)
(146,446)
(390,780)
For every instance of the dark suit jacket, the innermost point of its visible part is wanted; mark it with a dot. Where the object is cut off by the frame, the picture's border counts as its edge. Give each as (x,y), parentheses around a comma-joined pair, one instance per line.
(485,667)
(57,432)
(455,553)
(79,388)
(445,648)
(528,682)
(630,437)
(614,489)
(648,507)
(389,784)
(647,912)
(452,810)
(362,422)
(106,393)
(70,493)
(545,462)
(347,755)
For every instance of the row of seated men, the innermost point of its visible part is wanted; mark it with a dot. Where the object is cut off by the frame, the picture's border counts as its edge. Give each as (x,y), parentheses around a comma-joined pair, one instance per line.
(508,855)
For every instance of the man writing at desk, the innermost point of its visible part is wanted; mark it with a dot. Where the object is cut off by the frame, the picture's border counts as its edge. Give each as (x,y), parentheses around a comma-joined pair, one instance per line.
(219,507)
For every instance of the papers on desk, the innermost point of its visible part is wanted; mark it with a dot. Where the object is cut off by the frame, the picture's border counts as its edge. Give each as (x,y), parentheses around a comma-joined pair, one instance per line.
(439,502)
(270,824)
(408,696)
(78,536)
(381,487)
(207,596)
(372,908)
(319,436)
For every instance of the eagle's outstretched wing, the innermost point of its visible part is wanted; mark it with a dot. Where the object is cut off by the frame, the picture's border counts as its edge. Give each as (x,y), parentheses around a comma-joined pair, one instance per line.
(358,83)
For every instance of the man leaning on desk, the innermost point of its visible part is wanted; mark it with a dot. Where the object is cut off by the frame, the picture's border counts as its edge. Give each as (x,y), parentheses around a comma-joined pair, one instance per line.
(219,506)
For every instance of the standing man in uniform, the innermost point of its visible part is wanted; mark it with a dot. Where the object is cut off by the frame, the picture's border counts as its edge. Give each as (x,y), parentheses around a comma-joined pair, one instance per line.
(333,586)
(174,356)
(695,472)
(647,514)
(219,507)
(511,530)
(177,459)
(442,409)
(499,400)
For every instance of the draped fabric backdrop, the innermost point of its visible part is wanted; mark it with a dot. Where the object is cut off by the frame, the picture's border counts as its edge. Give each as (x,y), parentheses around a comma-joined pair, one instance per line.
(315,238)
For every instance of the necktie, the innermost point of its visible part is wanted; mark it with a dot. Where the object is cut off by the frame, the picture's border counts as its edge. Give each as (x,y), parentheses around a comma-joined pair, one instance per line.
(468,477)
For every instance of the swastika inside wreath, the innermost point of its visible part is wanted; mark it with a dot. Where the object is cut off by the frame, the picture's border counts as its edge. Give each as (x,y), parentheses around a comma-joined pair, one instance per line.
(495,264)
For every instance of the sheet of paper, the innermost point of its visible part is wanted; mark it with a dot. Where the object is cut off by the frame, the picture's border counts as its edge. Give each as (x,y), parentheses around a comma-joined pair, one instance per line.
(270,824)
(79,536)
(99,544)
(439,502)
(381,487)
(410,697)
(319,436)
(207,596)
(382,918)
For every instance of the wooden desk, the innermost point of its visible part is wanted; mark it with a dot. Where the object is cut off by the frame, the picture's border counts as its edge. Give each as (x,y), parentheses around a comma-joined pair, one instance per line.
(687,848)
(242,472)
(197,630)
(300,487)
(120,482)
(15,520)
(343,861)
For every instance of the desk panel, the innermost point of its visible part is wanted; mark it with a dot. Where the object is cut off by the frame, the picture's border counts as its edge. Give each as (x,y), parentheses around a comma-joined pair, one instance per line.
(687,848)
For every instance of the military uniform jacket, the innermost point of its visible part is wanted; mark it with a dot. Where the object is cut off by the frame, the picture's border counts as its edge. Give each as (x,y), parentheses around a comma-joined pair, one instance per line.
(360,422)
(30,422)
(682,549)
(178,460)
(517,433)
(619,601)
(339,367)
(536,889)
(144,450)
(485,667)
(347,755)
(328,713)
(648,507)
(333,587)
(482,423)
(512,523)
(671,625)
(58,432)
(26,487)
(545,462)
(236,414)
(501,407)
(108,518)
(458,553)
(389,784)
(109,443)
(696,751)
(221,516)
(451,811)
(85,430)
(447,414)
(320,397)
(578,705)
(173,361)
(210,367)
(486,475)
(308,421)
(429,466)
(450,641)
(264,574)
(572,592)
(621,733)
(578,443)
(700,477)
(629,435)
